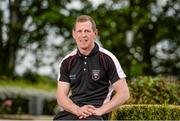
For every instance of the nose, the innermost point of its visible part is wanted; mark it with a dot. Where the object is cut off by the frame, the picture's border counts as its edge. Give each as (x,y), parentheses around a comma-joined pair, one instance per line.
(83,34)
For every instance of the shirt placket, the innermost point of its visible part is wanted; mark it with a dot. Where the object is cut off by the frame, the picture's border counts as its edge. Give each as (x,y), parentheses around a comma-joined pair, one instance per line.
(85,65)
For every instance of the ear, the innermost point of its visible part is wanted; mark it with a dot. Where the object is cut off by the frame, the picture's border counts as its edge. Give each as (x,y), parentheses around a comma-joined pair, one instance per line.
(73,33)
(96,32)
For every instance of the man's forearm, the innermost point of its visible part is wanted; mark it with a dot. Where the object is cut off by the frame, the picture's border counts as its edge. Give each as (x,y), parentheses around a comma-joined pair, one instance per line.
(115,102)
(68,105)
(121,95)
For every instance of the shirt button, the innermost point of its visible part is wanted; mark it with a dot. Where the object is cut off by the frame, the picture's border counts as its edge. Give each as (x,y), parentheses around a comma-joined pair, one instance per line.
(85,57)
(85,63)
(84,69)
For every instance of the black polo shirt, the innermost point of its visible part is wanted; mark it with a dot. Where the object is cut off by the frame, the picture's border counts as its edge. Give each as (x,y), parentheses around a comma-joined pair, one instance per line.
(90,77)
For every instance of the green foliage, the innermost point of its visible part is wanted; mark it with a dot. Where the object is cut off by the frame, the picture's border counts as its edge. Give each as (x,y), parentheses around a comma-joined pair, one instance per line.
(154,90)
(150,27)
(16,94)
(49,107)
(147,112)
(29,80)
(16,100)
(17,105)
(143,90)
(150,22)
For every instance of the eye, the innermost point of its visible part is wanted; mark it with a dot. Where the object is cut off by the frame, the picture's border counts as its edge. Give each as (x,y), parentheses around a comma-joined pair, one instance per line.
(79,31)
(87,31)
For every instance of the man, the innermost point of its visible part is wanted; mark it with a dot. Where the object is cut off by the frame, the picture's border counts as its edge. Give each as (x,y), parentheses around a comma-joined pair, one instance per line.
(91,73)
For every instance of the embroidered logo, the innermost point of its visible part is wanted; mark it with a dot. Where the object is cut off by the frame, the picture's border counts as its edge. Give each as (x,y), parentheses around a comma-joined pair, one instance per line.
(72,77)
(95,74)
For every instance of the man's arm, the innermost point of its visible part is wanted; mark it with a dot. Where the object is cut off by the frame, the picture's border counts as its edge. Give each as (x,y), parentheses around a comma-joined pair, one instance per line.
(67,104)
(121,95)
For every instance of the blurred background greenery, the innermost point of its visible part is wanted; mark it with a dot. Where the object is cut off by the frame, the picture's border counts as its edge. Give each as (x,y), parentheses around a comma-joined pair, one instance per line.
(36,34)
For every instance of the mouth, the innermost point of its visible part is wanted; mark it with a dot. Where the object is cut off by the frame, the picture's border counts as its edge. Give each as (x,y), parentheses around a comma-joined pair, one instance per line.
(84,40)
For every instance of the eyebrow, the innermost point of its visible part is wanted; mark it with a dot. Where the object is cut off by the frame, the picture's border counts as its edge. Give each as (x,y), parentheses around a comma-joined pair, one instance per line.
(84,30)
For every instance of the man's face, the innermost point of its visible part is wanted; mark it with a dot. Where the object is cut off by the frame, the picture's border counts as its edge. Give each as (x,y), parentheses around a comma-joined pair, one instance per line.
(84,35)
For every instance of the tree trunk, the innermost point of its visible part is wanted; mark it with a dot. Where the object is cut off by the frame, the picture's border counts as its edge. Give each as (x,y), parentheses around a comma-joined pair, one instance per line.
(1,42)
(147,57)
(12,43)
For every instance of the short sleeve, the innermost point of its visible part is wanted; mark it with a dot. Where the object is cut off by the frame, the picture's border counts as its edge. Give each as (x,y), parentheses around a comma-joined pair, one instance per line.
(63,74)
(114,70)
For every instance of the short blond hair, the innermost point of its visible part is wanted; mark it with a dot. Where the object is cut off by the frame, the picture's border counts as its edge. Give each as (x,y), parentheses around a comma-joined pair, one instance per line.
(84,18)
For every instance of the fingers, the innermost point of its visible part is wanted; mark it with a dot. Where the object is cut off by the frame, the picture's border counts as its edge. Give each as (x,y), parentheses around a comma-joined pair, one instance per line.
(84,115)
(91,107)
(86,111)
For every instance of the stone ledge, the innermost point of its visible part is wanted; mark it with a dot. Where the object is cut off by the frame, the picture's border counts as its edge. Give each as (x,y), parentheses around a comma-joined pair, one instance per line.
(25,117)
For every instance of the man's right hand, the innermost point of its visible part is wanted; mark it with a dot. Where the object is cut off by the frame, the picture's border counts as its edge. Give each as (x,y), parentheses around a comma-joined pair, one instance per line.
(85,111)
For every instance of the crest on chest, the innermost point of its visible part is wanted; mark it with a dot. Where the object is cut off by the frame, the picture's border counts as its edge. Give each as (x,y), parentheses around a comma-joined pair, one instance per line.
(95,74)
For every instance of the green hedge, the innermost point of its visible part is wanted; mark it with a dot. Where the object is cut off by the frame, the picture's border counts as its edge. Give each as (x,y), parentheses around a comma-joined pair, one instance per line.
(147,112)
(154,90)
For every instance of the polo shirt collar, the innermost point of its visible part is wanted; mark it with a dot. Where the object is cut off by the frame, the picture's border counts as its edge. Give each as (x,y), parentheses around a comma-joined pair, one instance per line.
(94,51)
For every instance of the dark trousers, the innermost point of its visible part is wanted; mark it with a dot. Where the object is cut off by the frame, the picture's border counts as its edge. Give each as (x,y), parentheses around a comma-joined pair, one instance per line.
(63,115)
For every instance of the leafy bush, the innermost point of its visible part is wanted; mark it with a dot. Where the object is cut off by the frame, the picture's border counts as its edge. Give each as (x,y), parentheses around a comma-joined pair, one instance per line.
(157,90)
(16,105)
(20,91)
(20,99)
(49,107)
(147,112)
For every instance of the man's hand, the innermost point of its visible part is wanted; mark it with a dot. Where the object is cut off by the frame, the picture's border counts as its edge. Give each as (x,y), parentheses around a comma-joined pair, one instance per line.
(98,112)
(85,111)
